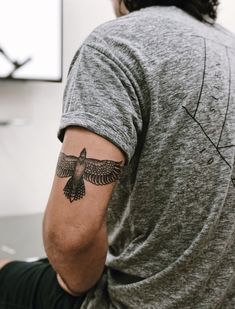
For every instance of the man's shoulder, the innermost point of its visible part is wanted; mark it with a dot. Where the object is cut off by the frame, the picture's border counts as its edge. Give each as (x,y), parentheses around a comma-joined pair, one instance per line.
(229,35)
(141,20)
(137,29)
(150,32)
(147,24)
(158,22)
(124,26)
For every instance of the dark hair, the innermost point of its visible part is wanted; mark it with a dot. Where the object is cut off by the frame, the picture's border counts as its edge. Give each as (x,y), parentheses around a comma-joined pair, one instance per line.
(197,8)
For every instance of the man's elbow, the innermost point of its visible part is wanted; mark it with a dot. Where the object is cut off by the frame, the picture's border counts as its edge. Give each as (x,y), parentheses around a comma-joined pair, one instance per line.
(77,253)
(68,240)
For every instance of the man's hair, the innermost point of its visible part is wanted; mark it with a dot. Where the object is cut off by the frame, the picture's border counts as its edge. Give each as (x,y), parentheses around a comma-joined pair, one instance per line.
(201,9)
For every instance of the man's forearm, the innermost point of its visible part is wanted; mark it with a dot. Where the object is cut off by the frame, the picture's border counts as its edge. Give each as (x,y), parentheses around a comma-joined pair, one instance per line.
(80,269)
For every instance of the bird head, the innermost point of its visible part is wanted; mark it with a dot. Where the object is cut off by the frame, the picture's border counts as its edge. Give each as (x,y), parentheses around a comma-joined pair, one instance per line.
(83,154)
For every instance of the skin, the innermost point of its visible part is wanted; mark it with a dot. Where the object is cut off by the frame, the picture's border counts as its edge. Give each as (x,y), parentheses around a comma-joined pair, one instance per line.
(4,262)
(119,8)
(75,234)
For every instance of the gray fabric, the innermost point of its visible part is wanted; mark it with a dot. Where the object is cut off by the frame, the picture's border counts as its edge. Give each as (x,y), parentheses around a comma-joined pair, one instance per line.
(161,86)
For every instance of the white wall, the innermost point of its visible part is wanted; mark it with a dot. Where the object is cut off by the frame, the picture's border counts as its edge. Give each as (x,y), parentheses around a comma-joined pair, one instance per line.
(226,14)
(28,153)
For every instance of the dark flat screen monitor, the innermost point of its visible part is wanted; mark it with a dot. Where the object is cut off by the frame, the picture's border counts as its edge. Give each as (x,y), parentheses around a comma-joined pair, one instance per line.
(31,39)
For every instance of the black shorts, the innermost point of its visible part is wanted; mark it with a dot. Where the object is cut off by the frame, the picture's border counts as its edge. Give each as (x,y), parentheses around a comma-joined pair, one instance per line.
(34,285)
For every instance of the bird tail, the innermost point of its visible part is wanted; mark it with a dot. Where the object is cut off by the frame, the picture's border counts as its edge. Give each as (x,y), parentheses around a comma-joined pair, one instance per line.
(74,190)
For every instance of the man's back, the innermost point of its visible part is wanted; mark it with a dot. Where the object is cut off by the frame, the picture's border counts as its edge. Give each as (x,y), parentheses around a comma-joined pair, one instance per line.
(171,218)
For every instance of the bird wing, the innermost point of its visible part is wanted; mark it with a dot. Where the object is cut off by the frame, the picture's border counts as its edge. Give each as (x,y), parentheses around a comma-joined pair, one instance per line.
(66,165)
(101,172)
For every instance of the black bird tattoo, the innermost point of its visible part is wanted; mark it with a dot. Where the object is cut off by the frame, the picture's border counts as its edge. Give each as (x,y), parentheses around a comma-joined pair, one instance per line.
(98,172)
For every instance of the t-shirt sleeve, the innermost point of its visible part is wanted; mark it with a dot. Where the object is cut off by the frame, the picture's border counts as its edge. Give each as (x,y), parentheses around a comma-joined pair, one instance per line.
(100,97)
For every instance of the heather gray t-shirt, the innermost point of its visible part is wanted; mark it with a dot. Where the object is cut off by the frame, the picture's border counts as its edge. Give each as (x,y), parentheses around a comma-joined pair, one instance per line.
(161,86)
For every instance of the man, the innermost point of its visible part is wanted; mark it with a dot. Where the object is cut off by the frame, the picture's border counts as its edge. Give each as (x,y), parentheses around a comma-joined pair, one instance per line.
(146,171)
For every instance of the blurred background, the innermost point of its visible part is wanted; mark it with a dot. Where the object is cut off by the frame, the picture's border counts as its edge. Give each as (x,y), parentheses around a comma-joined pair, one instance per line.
(28,144)
(30,114)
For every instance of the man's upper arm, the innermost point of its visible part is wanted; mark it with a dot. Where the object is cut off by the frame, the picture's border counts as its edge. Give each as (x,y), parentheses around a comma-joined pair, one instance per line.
(87,170)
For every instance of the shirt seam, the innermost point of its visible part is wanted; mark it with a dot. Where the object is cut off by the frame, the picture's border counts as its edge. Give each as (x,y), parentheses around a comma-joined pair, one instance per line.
(81,115)
(113,127)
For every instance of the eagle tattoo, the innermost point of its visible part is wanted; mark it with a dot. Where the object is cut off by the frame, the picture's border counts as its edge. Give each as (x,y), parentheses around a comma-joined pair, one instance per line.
(98,172)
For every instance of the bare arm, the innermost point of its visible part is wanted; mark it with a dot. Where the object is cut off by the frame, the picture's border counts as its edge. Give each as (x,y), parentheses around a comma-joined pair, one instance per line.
(75,233)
